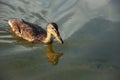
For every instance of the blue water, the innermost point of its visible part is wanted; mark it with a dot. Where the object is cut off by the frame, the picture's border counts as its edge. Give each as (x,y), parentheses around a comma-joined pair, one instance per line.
(89,28)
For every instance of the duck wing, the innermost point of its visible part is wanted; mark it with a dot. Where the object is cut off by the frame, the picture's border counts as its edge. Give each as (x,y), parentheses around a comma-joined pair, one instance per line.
(29,31)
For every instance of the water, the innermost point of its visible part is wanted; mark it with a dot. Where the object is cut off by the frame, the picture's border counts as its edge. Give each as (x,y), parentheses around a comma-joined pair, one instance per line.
(89,28)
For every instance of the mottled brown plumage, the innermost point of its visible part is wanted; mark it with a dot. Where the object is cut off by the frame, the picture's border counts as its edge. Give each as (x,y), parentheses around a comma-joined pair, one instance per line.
(34,33)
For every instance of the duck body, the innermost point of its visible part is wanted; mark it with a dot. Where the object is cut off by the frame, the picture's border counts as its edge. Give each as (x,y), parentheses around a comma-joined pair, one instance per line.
(32,32)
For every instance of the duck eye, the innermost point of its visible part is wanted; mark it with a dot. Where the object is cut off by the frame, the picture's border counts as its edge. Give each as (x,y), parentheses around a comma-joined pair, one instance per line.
(52,28)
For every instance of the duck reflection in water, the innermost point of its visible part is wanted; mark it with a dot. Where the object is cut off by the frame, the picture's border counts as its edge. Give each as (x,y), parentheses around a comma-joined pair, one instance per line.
(53,57)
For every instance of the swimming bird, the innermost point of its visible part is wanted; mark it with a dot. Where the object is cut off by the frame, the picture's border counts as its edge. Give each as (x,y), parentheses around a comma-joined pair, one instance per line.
(34,33)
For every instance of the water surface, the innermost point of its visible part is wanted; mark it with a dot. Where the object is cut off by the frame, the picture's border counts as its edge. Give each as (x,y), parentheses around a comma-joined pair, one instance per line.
(89,28)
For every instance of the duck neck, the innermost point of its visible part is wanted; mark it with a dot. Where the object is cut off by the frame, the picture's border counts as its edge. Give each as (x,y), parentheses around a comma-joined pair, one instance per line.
(48,38)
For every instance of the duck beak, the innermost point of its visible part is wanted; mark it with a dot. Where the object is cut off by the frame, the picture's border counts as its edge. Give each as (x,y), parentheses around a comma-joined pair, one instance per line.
(58,37)
(60,40)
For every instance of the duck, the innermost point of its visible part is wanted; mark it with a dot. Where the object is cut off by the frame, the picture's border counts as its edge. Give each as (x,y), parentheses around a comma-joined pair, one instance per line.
(35,33)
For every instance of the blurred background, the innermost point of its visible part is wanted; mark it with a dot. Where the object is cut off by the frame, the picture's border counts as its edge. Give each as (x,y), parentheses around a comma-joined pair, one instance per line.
(89,28)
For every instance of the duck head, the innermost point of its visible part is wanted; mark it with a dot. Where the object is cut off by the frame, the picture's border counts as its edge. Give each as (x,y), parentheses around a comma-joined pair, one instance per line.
(52,28)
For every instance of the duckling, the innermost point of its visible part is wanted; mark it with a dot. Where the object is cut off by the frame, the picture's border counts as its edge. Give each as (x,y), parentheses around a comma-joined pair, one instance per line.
(34,33)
